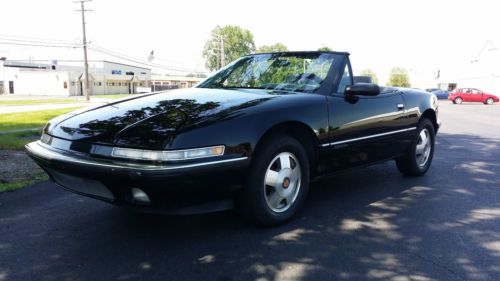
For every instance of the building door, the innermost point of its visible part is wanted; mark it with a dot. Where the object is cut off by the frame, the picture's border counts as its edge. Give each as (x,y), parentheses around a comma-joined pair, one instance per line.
(11,87)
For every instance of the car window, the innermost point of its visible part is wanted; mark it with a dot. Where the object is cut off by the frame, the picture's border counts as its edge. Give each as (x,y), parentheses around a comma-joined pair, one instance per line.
(345,81)
(475,91)
(301,72)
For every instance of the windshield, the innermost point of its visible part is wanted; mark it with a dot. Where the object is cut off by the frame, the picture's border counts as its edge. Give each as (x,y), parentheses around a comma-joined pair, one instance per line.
(303,72)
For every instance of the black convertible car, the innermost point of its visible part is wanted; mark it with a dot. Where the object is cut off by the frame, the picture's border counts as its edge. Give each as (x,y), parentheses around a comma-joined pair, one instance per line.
(252,135)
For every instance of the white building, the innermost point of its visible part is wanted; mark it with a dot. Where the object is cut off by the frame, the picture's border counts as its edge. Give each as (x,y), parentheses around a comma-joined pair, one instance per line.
(65,78)
(481,72)
(165,82)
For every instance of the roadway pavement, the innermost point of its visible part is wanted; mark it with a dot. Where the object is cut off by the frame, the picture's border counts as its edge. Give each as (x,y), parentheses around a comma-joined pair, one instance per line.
(365,224)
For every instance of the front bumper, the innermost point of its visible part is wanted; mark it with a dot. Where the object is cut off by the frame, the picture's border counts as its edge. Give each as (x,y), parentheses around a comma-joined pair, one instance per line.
(169,186)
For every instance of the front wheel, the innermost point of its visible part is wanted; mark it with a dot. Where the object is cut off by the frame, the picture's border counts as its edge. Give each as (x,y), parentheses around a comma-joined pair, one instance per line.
(278,182)
(418,158)
(489,101)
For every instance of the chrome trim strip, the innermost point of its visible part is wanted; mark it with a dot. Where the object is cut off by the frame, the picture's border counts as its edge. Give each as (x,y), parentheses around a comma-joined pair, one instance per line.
(369,137)
(37,149)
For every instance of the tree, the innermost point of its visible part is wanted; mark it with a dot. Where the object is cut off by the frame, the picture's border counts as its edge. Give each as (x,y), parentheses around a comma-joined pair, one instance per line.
(278,47)
(237,42)
(370,73)
(325,49)
(399,78)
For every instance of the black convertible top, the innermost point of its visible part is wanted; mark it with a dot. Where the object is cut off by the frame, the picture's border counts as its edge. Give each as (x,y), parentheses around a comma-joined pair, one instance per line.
(303,52)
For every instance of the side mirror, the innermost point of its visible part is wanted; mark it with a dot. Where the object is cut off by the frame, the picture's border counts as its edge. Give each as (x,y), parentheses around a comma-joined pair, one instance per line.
(362,89)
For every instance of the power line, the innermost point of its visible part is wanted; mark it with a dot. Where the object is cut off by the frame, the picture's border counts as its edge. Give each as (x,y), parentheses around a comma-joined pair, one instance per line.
(38,45)
(48,43)
(139,61)
(27,38)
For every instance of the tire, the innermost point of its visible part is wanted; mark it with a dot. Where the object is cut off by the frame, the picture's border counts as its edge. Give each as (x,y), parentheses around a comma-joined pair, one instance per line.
(416,164)
(278,200)
(458,100)
(489,101)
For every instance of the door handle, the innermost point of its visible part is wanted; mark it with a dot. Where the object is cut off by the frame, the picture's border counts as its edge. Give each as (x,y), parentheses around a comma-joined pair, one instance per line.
(401,106)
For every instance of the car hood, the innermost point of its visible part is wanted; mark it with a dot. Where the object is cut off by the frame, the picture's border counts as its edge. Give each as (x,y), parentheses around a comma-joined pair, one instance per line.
(153,120)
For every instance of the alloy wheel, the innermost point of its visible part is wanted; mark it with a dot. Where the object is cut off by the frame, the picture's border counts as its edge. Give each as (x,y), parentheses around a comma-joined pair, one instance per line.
(423,149)
(282,182)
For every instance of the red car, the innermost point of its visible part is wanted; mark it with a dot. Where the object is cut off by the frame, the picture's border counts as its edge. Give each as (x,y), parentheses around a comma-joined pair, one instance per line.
(471,95)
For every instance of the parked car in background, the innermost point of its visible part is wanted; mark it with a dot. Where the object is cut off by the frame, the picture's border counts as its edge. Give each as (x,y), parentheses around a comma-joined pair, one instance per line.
(254,133)
(440,94)
(471,95)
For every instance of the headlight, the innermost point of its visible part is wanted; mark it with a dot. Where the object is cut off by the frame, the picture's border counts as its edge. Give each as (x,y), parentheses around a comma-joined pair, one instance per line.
(46,138)
(154,155)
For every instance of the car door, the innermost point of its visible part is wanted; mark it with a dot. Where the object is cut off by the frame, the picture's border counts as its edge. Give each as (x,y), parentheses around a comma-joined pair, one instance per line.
(364,129)
(476,95)
(467,95)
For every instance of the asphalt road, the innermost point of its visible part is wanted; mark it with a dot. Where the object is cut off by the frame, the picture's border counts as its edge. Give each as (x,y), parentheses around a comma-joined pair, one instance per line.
(366,224)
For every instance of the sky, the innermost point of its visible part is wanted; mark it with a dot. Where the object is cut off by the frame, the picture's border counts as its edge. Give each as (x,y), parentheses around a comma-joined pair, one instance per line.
(421,36)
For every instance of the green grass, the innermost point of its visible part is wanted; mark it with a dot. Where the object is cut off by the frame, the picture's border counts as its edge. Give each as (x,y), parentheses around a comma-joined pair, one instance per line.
(31,101)
(29,119)
(116,96)
(25,121)
(39,101)
(23,183)
(16,141)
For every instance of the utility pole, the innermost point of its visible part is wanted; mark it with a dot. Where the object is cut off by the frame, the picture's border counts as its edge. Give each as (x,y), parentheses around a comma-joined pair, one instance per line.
(85,61)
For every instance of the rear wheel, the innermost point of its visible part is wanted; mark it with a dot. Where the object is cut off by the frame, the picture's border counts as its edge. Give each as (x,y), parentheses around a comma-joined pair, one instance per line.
(489,101)
(278,182)
(418,159)
(458,100)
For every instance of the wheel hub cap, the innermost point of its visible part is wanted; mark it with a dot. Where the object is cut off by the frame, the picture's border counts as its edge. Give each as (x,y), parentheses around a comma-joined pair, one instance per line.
(282,182)
(423,149)
(286,182)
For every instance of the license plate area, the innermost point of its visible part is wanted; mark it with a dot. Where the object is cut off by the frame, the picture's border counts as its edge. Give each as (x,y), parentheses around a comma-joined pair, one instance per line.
(81,185)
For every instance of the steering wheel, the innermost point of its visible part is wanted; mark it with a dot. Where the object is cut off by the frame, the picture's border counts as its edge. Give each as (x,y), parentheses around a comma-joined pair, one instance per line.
(311,77)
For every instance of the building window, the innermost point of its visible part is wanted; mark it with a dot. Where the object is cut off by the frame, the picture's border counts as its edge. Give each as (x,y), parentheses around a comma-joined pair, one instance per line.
(65,85)
(99,84)
(118,83)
